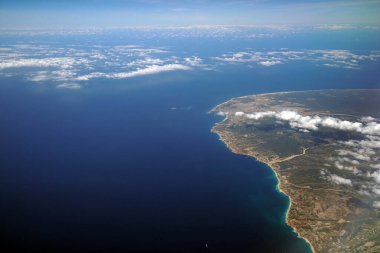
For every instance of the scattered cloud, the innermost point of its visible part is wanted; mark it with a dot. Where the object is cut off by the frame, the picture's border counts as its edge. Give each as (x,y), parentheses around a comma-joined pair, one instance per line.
(42,63)
(74,86)
(150,70)
(64,62)
(328,58)
(376,204)
(340,180)
(153,69)
(75,63)
(340,166)
(375,175)
(144,62)
(194,61)
(269,63)
(363,154)
(296,120)
(194,31)
(335,27)
(368,119)
(358,157)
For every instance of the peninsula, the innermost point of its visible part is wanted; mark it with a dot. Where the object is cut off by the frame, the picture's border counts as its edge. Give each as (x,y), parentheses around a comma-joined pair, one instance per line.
(324,147)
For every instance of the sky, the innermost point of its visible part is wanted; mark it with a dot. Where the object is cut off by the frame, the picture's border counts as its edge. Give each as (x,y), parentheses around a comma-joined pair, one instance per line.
(36,14)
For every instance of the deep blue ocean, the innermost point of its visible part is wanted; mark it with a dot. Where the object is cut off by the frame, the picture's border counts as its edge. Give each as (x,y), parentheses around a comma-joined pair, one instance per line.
(130,165)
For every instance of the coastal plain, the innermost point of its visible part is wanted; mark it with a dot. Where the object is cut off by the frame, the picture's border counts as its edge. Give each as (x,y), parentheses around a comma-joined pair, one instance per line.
(324,147)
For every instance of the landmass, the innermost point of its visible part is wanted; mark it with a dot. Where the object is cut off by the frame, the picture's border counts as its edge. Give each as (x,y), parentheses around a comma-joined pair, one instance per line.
(324,147)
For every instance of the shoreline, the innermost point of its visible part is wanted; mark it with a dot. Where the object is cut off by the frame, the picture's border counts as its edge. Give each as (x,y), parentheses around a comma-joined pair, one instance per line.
(228,108)
(278,185)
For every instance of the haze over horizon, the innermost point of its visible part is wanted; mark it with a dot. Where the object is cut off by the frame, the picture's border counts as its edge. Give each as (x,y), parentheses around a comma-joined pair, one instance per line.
(45,14)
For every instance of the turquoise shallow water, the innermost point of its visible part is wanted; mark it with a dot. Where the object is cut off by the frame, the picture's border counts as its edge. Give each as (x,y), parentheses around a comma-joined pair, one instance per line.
(131,165)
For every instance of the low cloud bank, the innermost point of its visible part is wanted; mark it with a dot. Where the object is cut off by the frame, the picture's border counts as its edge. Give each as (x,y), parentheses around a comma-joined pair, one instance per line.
(153,69)
(49,63)
(329,58)
(296,120)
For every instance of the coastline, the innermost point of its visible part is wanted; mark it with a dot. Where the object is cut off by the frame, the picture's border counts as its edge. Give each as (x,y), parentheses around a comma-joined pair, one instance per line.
(290,205)
(279,183)
(331,229)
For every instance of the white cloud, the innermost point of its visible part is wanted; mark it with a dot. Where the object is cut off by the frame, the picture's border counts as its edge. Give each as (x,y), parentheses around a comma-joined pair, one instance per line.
(131,50)
(257,116)
(153,69)
(269,63)
(376,204)
(376,191)
(145,61)
(150,70)
(328,58)
(357,155)
(367,119)
(360,157)
(370,142)
(74,64)
(62,62)
(193,61)
(375,175)
(340,180)
(355,162)
(90,76)
(239,57)
(372,128)
(366,150)
(332,65)
(335,27)
(74,86)
(239,113)
(314,122)
(55,75)
(40,76)
(340,166)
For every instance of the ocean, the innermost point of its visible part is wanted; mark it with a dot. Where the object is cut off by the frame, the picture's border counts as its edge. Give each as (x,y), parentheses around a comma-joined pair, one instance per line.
(130,165)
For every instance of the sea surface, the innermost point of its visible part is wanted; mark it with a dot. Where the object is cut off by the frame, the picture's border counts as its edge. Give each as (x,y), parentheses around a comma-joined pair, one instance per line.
(130,165)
